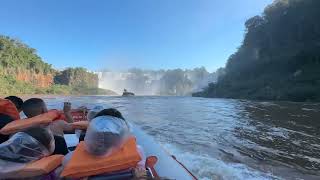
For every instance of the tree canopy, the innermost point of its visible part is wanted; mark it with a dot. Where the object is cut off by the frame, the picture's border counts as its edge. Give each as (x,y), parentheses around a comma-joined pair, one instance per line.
(21,69)
(15,55)
(279,58)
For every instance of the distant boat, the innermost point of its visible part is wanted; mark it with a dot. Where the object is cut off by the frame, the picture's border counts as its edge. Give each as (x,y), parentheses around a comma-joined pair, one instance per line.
(127,93)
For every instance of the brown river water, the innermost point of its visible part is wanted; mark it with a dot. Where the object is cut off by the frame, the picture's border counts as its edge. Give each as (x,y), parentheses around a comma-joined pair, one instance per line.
(224,138)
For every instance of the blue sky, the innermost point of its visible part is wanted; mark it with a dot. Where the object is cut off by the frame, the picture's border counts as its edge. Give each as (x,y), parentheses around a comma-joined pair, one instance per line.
(120,34)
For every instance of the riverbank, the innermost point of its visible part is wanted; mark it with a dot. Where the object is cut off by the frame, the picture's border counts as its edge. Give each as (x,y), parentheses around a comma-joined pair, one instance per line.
(99,92)
(11,86)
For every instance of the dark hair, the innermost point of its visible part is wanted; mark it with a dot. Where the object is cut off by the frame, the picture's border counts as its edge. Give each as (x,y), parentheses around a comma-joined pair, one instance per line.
(110,112)
(4,120)
(33,107)
(41,134)
(16,101)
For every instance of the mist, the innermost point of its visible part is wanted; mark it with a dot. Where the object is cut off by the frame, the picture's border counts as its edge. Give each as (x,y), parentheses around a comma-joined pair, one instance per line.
(156,82)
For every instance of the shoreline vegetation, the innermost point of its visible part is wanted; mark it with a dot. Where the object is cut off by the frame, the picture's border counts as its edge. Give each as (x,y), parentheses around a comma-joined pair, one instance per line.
(279,58)
(23,72)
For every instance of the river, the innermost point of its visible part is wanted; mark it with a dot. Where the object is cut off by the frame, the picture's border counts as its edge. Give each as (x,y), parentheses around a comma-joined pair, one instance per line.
(224,138)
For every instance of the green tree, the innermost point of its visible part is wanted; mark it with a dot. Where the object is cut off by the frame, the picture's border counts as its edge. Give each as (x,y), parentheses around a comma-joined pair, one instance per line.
(279,58)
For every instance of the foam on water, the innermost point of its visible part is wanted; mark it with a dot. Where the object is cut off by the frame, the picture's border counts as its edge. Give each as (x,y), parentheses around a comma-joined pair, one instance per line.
(204,167)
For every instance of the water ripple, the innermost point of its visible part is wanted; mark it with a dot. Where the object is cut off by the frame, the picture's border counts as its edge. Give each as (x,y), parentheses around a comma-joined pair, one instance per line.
(226,139)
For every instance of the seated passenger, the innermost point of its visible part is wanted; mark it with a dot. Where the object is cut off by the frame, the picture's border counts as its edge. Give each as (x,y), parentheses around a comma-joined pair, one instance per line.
(24,147)
(28,145)
(115,113)
(4,120)
(108,136)
(96,112)
(105,133)
(16,101)
(108,147)
(7,107)
(44,136)
(91,114)
(35,106)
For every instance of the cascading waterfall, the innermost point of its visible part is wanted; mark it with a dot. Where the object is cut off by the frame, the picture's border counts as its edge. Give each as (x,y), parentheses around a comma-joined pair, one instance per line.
(160,82)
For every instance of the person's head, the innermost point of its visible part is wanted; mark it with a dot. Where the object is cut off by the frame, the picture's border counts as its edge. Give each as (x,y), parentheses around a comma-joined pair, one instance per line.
(43,135)
(16,101)
(34,107)
(110,112)
(4,120)
(105,133)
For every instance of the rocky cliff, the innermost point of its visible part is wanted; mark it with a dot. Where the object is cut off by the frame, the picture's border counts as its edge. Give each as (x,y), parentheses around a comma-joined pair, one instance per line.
(22,71)
(39,80)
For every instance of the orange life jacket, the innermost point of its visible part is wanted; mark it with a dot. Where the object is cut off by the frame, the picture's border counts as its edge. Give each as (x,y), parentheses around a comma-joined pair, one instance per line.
(83,164)
(40,167)
(21,124)
(77,115)
(8,108)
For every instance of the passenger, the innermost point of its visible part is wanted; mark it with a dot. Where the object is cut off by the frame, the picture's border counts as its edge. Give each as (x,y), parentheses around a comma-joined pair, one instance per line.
(44,136)
(115,113)
(4,120)
(16,101)
(24,147)
(91,114)
(7,107)
(35,106)
(28,145)
(105,112)
(107,132)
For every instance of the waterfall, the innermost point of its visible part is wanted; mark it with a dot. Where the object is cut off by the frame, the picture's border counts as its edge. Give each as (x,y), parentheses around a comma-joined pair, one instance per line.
(160,82)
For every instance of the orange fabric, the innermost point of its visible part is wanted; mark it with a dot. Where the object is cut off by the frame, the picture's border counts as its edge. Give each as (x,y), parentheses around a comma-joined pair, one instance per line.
(60,115)
(41,167)
(83,164)
(77,115)
(83,125)
(8,108)
(18,125)
(151,161)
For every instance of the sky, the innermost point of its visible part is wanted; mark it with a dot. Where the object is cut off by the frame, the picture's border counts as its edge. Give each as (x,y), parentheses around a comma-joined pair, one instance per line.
(121,34)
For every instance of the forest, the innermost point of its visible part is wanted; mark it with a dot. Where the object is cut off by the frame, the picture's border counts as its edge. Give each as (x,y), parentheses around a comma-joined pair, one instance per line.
(279,58)
(22,71)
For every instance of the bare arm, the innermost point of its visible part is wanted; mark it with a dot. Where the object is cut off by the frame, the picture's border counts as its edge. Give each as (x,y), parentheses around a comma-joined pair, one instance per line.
(67,127)
(67,112)
(59,127)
